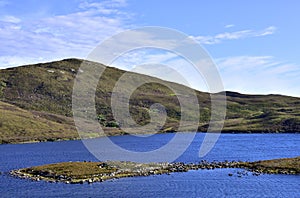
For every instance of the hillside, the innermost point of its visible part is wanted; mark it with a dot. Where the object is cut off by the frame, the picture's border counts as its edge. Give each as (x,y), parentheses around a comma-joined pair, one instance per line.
(46,90)
(19,125)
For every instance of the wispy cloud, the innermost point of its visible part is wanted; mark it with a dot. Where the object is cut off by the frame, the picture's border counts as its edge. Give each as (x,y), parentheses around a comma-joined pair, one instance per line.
(229,25)
(245,74)
(218,38)
(70,35)
(105,7)
(10,19)
(12,60)
(259,74)
(142,56)
(162,64)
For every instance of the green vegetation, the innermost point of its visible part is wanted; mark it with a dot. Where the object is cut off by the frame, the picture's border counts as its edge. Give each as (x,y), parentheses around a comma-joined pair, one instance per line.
(2,86)
(102,120)
(46,89)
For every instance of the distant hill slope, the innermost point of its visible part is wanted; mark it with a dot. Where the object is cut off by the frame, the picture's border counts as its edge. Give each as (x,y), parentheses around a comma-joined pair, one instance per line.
(47,88)
(19,125)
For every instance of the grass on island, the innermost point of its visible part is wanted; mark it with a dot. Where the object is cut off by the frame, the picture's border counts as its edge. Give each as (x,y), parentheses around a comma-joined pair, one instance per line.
(79,172)
(292,165)
(75,170)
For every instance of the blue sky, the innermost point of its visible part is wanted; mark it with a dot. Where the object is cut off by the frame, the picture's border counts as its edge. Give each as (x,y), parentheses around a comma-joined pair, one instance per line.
(255,44)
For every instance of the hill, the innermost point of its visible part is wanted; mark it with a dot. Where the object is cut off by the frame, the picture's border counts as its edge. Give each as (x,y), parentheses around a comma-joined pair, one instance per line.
(19,125)
(46,90)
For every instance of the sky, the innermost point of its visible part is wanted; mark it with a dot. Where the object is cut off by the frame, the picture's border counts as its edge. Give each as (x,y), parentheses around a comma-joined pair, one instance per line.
(254,44)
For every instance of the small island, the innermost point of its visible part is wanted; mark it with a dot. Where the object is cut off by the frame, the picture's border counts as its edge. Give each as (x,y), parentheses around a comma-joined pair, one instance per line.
(80,172)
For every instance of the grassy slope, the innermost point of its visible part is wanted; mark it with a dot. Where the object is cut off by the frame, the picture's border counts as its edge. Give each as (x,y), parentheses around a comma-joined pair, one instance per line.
(269,113)
(19,125)
(48,88)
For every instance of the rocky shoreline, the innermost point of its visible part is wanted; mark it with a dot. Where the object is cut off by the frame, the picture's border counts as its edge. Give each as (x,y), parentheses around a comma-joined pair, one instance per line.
(81,172)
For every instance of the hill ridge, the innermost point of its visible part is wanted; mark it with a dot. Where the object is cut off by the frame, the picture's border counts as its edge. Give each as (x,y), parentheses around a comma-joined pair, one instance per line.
(47,88)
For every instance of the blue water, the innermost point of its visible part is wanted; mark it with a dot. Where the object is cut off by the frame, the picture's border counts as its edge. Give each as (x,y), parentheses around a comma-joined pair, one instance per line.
(202,183)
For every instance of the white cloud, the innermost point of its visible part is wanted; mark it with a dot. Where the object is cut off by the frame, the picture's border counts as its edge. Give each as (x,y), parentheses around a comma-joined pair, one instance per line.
(162,64)
(233,35)
(229,25)
(267,31)
(11,61)
(70,35)
(259,75)
(218,38)
(245,74)
(104,7)
(10,19)
(142,56)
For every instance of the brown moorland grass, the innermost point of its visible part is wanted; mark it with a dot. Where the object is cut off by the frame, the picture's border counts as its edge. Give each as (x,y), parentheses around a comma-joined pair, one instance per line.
(284,164)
